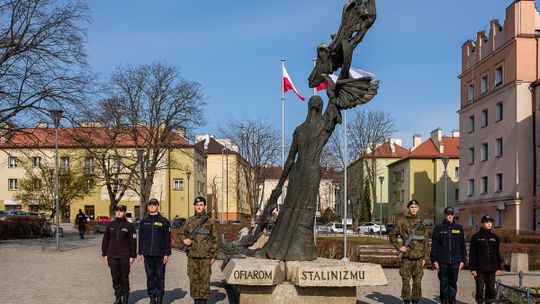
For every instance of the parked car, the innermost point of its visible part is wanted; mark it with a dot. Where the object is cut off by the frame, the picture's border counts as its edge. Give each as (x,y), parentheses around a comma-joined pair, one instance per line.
(335,227)
(371,228)
(103,219)
(321,228)
(234,222)
(389,227)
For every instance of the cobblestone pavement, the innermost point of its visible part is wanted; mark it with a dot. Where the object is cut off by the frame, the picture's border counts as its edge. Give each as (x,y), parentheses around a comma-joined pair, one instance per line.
(32,271)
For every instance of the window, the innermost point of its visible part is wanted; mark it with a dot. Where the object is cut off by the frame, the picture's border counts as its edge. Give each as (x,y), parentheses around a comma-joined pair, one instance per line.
(484,184)
(499,112)
(456,173)
(457,194)
(498,182)
(471,187)
(484,152)
(12,162)
(36,161)
(471,124)
(36,183)
(64,163)
(90,184)
(89,165)
(484,84)
(470,92)
(498,218)
(484,121)
(470,219)
(178,184)
(498,147)
(12,184)
(499,76)
(471,156)
(117,162)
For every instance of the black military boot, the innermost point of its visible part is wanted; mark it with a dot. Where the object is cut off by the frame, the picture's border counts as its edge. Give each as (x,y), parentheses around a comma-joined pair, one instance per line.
(406,302)
(203,301)
(159,299)
(124,299)
(118,300)
(152,300)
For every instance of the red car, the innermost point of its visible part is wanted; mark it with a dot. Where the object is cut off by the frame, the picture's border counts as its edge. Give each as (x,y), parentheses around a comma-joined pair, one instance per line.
(103,219)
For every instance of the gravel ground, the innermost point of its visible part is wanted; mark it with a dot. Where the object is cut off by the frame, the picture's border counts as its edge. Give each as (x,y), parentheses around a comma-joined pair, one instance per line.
(32,271)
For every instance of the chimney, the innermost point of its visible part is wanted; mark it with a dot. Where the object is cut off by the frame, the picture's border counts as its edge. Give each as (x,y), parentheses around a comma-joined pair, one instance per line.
(203,137)
(455,133)
(43,125)
(416,141)
(436,137)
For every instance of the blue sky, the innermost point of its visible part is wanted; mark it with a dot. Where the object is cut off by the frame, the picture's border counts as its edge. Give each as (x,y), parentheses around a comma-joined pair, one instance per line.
(233,48)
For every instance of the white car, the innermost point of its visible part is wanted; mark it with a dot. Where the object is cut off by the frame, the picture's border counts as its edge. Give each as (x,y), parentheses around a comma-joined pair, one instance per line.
(371,228)
(321,228)
(335,227)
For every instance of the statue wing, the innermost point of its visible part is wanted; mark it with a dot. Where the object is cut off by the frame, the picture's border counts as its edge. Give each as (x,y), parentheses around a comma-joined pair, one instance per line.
(348,93)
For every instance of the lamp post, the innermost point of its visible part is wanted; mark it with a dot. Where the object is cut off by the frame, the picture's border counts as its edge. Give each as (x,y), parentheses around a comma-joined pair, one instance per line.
(142,211)
(381,179)
(345,259)
(56,116)
(222,189)
(445,160)
(188,201)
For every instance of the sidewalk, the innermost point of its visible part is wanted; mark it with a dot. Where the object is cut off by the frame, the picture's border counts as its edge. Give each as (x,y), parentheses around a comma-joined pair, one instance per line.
(32,271)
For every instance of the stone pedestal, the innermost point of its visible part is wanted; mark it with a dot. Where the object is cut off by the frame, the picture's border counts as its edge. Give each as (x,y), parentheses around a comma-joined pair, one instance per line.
(262,281)
(519,262)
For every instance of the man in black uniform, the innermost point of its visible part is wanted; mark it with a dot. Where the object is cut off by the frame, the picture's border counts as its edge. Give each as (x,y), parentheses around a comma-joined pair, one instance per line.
(155,249)
(119,250)
(485,260)
(448,255)
(81,222)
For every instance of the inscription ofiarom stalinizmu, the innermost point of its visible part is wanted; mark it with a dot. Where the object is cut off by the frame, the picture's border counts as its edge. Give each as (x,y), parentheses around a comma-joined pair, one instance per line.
(333,275)
(253,275)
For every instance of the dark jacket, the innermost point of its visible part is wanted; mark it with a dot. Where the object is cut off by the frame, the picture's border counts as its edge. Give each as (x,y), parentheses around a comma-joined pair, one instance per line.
(155,236)
(206,243)
(485,255)
(119,240)
(81,220)
(448,243)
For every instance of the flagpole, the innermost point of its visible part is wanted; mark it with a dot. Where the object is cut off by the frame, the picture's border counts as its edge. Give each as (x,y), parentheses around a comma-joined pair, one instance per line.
(315,88)
(345,258)
(282,116)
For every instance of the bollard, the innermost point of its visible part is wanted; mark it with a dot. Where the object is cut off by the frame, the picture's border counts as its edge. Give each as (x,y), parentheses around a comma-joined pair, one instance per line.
(528,295)
(521,275)
(498,284)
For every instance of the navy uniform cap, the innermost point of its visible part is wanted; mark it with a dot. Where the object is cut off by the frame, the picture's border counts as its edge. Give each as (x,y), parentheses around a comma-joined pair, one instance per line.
(120,207)
(412,202)
(448,210)
(487,218)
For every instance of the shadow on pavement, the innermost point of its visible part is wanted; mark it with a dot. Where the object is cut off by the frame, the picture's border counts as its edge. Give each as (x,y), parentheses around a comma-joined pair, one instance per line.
(388,299)
(169,297)
(216,296)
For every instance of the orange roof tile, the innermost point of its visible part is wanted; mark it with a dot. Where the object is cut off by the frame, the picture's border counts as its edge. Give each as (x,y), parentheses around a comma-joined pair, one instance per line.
(385,151)
(427,149)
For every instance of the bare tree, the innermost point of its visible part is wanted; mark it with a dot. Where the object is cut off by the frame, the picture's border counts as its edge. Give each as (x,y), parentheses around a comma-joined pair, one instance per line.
(214,197)
(159,107)
(42,58)
(258,145)
(367,130)
(38,187)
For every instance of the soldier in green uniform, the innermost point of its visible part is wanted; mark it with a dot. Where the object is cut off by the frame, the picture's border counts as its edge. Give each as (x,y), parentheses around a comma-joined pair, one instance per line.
(202,252)
(414,255)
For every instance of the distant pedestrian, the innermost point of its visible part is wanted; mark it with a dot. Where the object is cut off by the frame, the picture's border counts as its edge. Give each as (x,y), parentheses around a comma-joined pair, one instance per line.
(81,222)
(448,255)
(119,250)
(155,249)
(202,252)
(414,254)
(177,222)
(485,261)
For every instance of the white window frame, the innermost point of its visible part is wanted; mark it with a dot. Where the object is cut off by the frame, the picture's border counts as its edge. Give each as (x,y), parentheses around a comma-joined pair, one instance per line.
(470,91)
(470,187)
(484,152)
(484,119)
(499,112)
(64,162)
(471,124)
(89,165)
(499,76)
(471,155)
(178,184)
(36,161)
(484,185)
(499,182)
(12,184)
(12,161)
(498,147)
(484,84)
(498,218)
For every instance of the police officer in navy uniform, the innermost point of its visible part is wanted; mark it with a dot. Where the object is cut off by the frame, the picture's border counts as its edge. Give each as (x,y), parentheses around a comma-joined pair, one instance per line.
(448,255)
(155,249)
(119,250)
(81,222)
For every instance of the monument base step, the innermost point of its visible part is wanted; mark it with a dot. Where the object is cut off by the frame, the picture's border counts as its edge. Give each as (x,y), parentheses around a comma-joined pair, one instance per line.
(289,293)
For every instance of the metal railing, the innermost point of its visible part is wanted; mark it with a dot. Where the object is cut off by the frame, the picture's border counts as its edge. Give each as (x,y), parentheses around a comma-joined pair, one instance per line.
(524,293)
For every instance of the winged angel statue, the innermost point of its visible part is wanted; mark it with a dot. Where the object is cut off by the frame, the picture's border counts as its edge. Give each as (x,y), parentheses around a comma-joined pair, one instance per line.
(292,237)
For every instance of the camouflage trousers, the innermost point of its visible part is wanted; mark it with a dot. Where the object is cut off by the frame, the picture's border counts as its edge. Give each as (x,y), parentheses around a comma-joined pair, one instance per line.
(199,271)
(411,269)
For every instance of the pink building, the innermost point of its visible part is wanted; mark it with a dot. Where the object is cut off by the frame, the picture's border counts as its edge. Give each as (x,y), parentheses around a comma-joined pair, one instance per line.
(497,121)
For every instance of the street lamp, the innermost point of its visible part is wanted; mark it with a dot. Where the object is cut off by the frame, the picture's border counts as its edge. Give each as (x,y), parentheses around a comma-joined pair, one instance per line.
(140,152)
(56,116)
(381,179)
(345,259)
(222,189)
(445,160)
(188,202)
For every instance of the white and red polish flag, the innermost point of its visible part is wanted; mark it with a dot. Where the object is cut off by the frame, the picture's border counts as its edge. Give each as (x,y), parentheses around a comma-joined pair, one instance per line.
(288,84)
(354,73)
